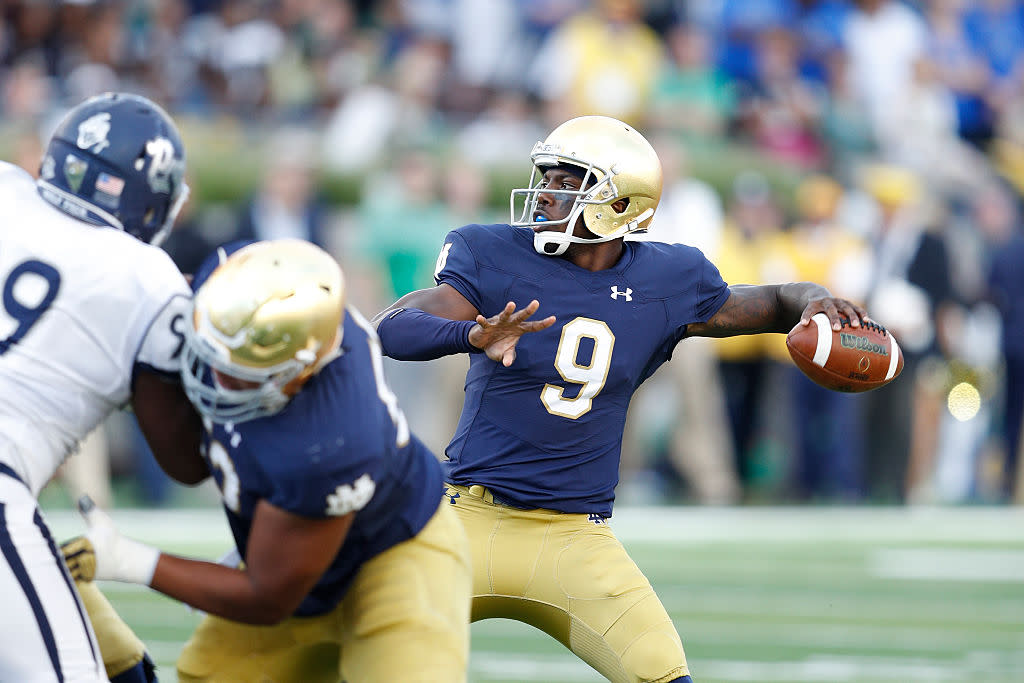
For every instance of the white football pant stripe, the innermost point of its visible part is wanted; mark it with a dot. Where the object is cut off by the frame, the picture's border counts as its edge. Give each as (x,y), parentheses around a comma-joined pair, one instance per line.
(42,618)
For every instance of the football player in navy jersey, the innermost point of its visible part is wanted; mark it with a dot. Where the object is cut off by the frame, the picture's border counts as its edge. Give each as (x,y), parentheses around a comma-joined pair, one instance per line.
(355,566)
(533,464)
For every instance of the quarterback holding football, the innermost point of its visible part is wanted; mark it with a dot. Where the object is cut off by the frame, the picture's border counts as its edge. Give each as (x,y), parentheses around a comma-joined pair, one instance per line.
(534,461)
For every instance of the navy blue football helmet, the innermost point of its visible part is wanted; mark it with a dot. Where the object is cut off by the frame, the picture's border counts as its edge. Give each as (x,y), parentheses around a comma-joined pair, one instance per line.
(117,160)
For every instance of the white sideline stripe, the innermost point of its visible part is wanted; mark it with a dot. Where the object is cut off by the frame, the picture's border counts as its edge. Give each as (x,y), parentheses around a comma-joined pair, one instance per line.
(894,357)
(765,525)
(836,669)
(817,603)
(948,564)
(824,347)
(872,634)
(207,528)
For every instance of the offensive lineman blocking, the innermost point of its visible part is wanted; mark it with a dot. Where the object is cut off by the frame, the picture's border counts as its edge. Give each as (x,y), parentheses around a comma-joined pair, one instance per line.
(354,567)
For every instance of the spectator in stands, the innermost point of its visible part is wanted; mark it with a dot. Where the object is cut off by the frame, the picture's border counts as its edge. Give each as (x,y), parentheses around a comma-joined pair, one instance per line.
(846,126)
(911,293)
(603,61)
(690,97)
(995,29)
(996,214)
(960,68)
(780,110)
(680,414)
(739,26)
(829,449)
(883,39)
(752,221)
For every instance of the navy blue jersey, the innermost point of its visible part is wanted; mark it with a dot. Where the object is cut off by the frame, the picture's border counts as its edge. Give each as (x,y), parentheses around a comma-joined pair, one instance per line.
(547,431)
(333,449)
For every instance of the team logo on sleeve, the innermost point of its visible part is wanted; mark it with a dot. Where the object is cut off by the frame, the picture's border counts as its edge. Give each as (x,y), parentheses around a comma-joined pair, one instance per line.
(351,497)
(442,259)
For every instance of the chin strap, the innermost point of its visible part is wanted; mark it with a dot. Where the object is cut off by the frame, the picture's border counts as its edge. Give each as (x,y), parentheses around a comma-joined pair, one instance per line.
(561,240)
(542,241)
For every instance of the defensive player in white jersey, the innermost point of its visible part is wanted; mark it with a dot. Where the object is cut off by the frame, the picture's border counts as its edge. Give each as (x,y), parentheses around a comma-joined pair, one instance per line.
(90,312)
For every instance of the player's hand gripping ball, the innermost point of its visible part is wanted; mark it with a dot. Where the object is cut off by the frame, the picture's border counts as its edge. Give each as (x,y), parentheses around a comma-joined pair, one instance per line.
(852,359)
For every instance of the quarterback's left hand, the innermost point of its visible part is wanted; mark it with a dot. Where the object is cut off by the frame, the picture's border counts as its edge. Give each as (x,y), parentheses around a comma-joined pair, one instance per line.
(499,334)
(104,554)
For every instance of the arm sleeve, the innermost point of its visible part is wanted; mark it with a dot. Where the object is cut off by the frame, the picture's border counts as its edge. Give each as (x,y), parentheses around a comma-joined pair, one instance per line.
(412,334)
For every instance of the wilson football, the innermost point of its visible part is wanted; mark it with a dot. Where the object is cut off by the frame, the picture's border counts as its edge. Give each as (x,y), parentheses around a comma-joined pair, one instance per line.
(852,359)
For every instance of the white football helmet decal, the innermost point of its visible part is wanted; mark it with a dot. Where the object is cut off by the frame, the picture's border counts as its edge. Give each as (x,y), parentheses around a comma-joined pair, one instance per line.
(92,133)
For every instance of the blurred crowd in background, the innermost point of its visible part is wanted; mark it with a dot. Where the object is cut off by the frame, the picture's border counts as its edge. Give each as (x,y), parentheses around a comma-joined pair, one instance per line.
(874,146)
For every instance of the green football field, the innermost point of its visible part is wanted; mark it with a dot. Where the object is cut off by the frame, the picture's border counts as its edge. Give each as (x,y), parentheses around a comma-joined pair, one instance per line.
(758,594)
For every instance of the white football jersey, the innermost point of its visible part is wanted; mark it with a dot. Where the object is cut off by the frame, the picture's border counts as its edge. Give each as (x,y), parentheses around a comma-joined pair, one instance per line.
(81,306)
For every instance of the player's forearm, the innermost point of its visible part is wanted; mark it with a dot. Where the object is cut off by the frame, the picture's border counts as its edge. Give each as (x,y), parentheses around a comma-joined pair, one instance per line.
(753,309)
(411,334)
(224,591)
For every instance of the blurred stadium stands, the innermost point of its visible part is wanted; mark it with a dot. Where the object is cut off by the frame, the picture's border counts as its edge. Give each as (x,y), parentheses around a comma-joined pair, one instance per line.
(876,146)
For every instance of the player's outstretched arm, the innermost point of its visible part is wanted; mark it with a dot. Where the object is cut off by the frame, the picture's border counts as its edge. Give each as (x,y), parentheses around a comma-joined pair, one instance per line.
(439,321)
(444,301)
(751,309)
(287,555)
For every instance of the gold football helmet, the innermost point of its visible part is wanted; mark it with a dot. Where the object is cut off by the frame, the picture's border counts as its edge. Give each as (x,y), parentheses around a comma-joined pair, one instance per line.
(265,321)
(618,163)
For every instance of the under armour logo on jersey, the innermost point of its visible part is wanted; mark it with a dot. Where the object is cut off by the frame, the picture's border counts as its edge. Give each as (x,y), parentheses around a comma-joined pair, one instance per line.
(452,495)
(628,294)
(597,519)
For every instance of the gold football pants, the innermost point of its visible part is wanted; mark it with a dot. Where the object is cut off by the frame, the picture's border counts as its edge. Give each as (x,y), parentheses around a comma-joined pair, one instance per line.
(404,618)
(120,647)
(569,576)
